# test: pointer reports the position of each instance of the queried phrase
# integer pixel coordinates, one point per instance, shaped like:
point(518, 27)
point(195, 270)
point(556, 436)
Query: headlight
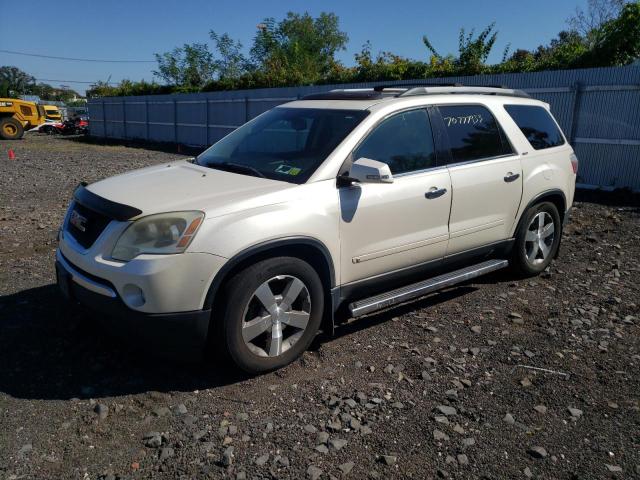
point(158, 234)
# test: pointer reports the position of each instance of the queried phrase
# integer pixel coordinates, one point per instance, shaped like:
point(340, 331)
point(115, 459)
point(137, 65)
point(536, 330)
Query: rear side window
point(473, 133)
point(537, 125)
point(403, 141)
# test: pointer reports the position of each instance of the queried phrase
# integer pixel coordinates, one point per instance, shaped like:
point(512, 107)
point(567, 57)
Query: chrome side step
point(368, 305)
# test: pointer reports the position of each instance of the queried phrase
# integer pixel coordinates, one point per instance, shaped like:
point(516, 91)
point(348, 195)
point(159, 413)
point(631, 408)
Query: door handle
point(435, 192)
point(510, 177)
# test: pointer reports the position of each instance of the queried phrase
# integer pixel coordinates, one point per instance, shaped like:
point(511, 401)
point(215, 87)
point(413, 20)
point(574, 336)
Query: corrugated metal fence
point(599, 110)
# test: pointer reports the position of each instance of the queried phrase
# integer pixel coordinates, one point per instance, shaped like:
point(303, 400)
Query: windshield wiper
point(238, 168)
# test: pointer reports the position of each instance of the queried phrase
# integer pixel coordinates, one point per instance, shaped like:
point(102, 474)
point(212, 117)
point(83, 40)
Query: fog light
point(133, 295)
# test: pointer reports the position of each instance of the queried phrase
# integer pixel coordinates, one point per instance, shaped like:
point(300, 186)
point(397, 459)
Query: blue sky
point(118, 29)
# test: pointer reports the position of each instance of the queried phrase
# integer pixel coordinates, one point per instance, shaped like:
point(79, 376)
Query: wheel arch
point(555, 196)
point(309, 249)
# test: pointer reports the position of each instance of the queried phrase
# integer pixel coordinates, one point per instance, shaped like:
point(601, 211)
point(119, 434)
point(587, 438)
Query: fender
point(269, 245)
point(536, 199)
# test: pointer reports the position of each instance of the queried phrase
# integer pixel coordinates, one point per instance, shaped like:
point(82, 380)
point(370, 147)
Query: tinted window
point(283, 144)
point(473, 133)
point(537, 125)
point(403, 141)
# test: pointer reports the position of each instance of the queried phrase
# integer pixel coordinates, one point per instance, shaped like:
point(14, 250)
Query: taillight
point(574, 163)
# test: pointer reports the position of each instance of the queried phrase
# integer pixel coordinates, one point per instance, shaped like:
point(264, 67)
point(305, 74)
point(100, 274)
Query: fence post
point(246, 109)
point(104, 121)
point(146, 118)
point(124, 118)
point(577, 96)
point(175, 121)
point(206, 122)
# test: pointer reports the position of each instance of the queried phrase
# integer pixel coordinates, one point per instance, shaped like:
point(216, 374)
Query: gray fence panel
point(597, 108)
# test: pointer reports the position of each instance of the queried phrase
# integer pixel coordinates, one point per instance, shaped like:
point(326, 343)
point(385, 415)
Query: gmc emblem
point(78, 221)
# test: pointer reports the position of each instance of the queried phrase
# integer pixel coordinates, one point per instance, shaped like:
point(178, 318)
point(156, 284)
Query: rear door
point(388, 227)
point(486, 177)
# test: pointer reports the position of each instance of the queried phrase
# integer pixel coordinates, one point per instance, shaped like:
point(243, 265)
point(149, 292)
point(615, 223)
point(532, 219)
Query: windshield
point(286, 144)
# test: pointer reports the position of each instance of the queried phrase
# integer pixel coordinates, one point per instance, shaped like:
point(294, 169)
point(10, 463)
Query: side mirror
point(365, 170)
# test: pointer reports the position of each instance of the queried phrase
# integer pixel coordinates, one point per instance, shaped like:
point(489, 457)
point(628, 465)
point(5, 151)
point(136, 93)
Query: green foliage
point(14, 82)
point(301, 50)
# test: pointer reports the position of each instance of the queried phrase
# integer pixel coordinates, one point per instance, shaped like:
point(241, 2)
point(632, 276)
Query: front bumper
point(180, 335)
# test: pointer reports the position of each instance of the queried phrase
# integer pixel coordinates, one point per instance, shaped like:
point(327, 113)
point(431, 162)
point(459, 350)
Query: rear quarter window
point(537, 125)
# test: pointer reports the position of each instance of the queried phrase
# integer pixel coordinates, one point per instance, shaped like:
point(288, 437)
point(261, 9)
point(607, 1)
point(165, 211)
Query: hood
point(181, 185)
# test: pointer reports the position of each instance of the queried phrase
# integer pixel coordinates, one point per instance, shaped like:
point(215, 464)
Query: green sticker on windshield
point(288, 170)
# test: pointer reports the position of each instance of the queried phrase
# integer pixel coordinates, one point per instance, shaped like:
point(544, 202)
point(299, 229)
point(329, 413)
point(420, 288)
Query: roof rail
point(506, 92)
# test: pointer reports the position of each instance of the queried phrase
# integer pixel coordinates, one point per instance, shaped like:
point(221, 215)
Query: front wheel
point(537, 240)
point(273, 312)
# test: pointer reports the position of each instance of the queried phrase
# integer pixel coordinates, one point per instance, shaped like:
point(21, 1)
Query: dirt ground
point(500, 378)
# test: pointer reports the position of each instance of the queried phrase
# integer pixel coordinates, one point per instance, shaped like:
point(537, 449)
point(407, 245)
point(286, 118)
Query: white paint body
point(368, 229)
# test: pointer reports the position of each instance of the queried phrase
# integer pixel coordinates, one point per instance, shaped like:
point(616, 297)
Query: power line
point(76, 59)
point(72, 81)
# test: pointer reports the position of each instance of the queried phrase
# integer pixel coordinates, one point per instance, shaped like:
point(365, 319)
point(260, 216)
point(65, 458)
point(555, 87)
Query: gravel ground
point(501, 378)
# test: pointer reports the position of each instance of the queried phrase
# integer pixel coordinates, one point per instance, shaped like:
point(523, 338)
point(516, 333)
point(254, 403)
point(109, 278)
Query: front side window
point(286, 144)
point(403, 141)
point(537, 125)
point(473, 133)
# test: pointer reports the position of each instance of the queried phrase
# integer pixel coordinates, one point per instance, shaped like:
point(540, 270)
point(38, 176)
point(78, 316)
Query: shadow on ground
point(50, 350)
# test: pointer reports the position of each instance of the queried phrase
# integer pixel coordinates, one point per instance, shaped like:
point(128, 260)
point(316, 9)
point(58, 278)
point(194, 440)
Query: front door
point(387, 227)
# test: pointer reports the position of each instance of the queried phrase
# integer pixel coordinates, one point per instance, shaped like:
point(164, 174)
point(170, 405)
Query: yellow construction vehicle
point(16, 116)
point(52, 113)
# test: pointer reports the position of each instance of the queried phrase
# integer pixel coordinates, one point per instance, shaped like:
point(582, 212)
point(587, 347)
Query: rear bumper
point(180, 335)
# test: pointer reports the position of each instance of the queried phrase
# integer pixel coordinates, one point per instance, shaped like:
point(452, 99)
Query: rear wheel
point(11, 129)
point(273, 312)
point(537, 240)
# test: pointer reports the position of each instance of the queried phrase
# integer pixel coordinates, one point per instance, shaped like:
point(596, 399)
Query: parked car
point(332, 206)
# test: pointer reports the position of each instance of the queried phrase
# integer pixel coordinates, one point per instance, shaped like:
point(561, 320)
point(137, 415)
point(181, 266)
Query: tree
point(598, 12)
point(617, 41)
point(189, 67)
point(298, 50)
point(14, 82)
point(231, 64)
point(472, 51)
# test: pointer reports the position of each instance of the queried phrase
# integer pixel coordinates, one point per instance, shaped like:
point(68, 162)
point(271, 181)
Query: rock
point(526, 382)
point(514, 315)
point(262, 459)
point(527, 472)
point(346, 468)
point(152, 439)
point(166, 453)
point(322, 448)
point(398, 405)
point(446, 410)
point(463, 459)
point(242, 416)
point(540, 409)
point(102, 410)
point(440, 435)
point(161, 411)
point(310, 429)
point(181, 409)
point(575, 412)
point(25, 449)
point(537, 452)
point(613, 468)
point(389, 459)
point(477, 329)
point(314, 472)
point(337, 443)
point(508, 418)
point(323, 437)
point(468, 442)
point(228, 457)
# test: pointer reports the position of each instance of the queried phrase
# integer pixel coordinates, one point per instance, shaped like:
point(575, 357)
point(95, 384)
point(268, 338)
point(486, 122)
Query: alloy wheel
point(276, 316)
point(539, 238)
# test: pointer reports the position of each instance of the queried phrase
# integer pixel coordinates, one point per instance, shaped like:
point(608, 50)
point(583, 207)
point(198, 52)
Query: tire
point(249, 333)
point(11, 129)
point(536, 245)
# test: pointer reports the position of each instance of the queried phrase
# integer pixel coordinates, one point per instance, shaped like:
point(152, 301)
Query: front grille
point(93, 222)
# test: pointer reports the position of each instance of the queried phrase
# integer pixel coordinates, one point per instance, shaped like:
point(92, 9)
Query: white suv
point(328, 207)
